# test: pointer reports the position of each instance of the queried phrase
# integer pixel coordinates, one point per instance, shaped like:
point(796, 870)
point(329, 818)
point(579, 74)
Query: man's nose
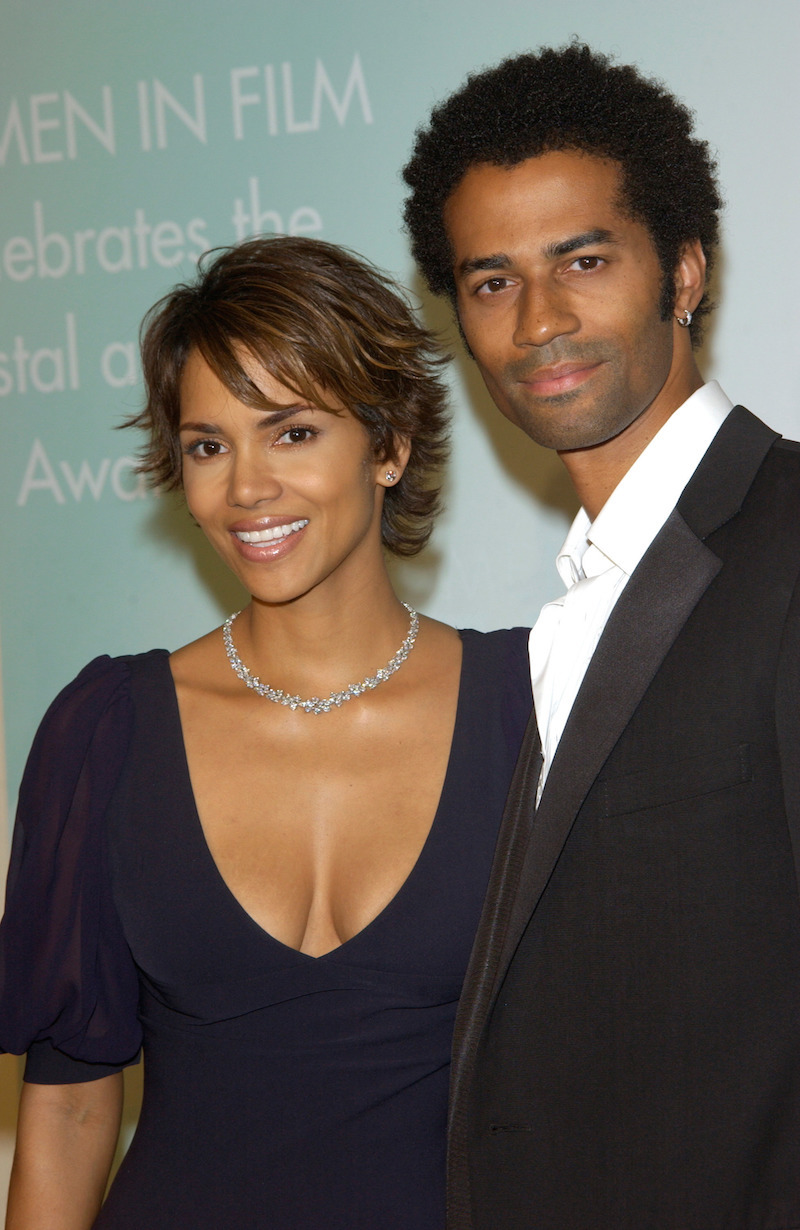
point(543, 313)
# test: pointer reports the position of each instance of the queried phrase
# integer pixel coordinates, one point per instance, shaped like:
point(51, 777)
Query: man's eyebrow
point(586, 240)
point(501, 260)
point(479, 263)
point(271, 419)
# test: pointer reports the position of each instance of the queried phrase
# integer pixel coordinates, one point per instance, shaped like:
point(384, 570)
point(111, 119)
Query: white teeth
point(270, 534)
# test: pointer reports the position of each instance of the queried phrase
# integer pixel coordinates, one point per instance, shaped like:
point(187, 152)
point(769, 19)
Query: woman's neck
point(322, 641)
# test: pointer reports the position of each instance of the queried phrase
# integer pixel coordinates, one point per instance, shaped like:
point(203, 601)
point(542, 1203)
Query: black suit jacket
point(627, 1051)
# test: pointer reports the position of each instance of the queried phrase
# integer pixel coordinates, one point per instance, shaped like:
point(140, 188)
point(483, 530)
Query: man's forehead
point(558, 177)
point(554, 202)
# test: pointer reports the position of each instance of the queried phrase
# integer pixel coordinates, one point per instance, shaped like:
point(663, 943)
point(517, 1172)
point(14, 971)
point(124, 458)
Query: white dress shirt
point(598, 558)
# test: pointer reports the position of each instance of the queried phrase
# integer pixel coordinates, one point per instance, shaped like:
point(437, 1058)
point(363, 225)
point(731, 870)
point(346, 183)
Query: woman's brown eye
point(297, 435)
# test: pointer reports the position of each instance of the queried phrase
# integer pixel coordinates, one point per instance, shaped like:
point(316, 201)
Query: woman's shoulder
point(96, 688)
point(105, 672)
point(94, 710)
point(499, 636)
point(496, 694)
point(508, 642)
point(497, 661)
point(486, 657)
point(512, 640)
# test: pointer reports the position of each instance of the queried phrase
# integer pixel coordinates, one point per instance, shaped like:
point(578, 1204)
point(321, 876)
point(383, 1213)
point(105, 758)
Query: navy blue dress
point(281, 1090)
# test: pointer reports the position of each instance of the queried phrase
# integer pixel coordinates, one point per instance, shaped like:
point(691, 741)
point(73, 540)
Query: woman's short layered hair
point(324, 323)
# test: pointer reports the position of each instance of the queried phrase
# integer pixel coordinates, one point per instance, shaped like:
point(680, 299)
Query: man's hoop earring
point(685, 320)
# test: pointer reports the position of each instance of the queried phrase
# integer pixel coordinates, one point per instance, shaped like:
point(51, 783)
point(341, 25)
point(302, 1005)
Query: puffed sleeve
point(68, 984)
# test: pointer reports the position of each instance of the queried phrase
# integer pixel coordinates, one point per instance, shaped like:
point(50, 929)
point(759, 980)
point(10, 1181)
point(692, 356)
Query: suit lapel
point(650, 613)
point(653, 608)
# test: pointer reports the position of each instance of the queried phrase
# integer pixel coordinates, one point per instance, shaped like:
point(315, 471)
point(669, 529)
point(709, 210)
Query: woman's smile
point(270, 533)
point(268, 541)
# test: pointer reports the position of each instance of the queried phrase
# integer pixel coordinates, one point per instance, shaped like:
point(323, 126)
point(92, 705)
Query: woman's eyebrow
point(269, 419)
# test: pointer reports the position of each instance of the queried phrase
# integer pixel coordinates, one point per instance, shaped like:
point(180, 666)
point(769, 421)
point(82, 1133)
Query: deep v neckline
point(405, 888)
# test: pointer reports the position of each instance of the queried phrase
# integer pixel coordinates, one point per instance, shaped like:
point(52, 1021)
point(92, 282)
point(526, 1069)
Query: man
point(627, 1054)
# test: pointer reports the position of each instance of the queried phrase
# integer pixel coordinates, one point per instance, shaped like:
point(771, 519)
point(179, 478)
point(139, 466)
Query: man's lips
point(560, 378)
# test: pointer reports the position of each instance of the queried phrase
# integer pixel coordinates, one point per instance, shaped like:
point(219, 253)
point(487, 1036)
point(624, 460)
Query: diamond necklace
point(316, 704)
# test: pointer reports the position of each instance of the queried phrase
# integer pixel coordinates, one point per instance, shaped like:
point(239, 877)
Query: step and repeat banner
point(135, 135)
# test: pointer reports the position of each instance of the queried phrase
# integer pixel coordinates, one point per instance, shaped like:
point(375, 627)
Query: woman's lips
point(257, 541)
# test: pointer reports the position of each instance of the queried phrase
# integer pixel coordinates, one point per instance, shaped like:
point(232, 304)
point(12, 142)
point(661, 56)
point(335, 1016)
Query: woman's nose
point(252, 479)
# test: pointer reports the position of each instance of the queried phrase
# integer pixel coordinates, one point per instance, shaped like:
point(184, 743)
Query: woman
point(274, 884)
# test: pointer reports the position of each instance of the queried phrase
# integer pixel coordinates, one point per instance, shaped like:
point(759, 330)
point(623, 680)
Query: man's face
point(558, 298)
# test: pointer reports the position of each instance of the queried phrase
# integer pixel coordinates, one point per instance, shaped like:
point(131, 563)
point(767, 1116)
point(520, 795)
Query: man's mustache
point(585, 355)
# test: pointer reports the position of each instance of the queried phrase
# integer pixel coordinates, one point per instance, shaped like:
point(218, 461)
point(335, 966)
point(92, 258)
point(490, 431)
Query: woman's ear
point(390, 471)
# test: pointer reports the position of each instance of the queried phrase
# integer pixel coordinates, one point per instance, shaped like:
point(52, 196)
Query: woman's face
point(289, 497)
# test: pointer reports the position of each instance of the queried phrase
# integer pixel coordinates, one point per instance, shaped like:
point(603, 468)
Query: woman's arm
point(66, 1139)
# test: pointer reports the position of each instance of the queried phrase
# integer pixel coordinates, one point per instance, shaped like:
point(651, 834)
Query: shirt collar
point(646, 495)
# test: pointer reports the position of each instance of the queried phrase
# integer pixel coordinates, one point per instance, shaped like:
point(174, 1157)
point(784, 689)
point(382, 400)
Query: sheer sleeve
point(68, 984)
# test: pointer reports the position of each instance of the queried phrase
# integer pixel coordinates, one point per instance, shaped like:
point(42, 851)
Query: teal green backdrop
point(134, 135)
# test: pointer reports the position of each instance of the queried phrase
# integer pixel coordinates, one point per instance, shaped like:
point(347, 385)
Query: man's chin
point(549, 428)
